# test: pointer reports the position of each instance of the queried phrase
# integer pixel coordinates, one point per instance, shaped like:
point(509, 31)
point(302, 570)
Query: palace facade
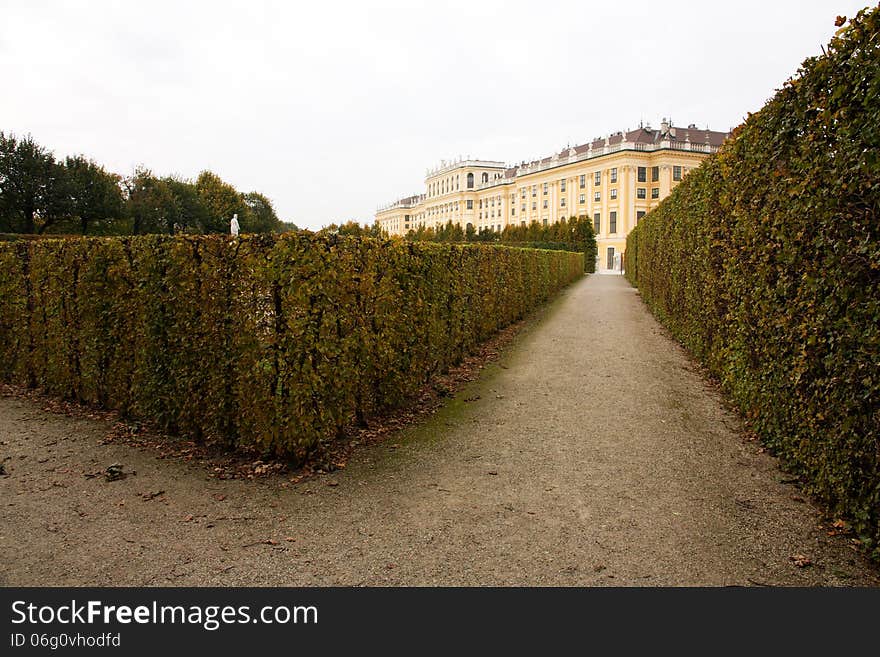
point(614, 180)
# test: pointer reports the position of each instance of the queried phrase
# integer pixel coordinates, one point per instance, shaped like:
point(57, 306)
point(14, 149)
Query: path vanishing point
point(591, 453)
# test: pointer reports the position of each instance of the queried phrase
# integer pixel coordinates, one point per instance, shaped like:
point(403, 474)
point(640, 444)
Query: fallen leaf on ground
point(267, 541)
point(840, 524)
point(801, 560)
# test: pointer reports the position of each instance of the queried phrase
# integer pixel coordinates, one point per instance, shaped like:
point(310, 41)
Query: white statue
point(233, 226)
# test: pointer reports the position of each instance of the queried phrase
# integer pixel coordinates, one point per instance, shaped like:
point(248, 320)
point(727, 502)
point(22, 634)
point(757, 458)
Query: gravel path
point(591, 453)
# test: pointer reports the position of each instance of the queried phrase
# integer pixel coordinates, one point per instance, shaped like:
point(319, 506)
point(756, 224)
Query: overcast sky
point(332, 108)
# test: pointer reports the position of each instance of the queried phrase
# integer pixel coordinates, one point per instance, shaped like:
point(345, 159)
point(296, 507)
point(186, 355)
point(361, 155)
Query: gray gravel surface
point(591, 453)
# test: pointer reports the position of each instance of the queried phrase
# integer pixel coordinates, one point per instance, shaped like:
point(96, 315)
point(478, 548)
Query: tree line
point(573, 230)
point(41, 194)
point(572, 234)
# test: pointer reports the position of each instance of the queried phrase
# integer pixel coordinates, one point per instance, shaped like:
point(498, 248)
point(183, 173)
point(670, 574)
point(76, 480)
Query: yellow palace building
point(614, 180)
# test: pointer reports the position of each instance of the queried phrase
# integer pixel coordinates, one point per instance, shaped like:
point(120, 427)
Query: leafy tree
point(31, 198)
point(186, 212)
point(535, 232)
point(261, 217)
point(487, 235)
point(287, 227)
point(221, 201)
point(151, 202)
point(353, 229)
point(93, 196)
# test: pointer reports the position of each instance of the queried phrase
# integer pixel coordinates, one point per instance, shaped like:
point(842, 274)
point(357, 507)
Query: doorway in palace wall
point(609, 259)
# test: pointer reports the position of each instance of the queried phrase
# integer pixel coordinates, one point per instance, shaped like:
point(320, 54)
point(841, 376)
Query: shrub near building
point(270, 341)
point(765, 263)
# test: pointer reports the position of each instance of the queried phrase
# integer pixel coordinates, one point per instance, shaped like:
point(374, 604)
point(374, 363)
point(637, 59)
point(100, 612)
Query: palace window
point(655, 174)
point(583, 180)
point(545, 189)
point(562, 185)
point(597, 196)
point(582, 199)
point(523, 190)
point(655, 192)
point(523, 208)
point(612, 222)
point(534, 190)
point(641, 192)
point(562, 202)
point(639, 215)
point(485, 177)
point(545, 204)
point(534, 206)
point(597, 223)
point(642, 174)
point(614, 175)
point(470, 204)
point(613, 194)
point(470, 181)
point(597, 178)
point(676, 173)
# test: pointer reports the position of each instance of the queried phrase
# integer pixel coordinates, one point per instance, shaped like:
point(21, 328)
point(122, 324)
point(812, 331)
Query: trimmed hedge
point(765, 263)
point(588, 248)
point(276, 342)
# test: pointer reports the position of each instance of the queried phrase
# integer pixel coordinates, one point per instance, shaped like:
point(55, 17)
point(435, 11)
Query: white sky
point(333, 108)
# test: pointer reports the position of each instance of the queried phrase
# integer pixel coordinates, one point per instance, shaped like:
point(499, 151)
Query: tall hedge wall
point(765, 263)
point(272, 341)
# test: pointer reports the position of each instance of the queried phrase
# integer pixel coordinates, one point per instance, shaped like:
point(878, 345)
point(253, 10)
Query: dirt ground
point(591, 453)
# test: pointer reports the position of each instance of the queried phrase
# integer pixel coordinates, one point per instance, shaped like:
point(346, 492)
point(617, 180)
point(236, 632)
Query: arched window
point(485, 177)
point(470, 181)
